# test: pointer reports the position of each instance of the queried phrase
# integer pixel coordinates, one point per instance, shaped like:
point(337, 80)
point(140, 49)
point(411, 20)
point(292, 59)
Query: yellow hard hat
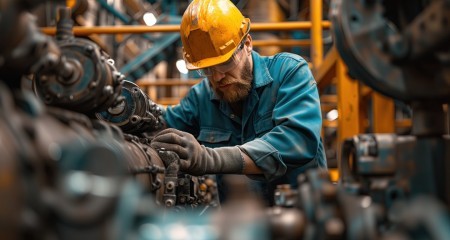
point(211, 30)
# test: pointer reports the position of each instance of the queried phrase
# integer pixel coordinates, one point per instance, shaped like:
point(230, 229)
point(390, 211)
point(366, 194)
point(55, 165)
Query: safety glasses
point(227, 66)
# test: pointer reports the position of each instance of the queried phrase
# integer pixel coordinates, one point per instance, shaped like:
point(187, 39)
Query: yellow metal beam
point(70, 3)
point(349, 120)
point(281, 43)
point(328, 103)
point(327, 71)
point(365, 91)
point(316, 33)
point(383, 120)
point(349, 107)
point(278, 26)
point(329, 98)
point(331, 124)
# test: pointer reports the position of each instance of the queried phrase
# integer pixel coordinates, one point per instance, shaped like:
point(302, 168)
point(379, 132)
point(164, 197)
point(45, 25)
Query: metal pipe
point(167, 83)
point(84, 31)
point(281, 43)
point(316, 33)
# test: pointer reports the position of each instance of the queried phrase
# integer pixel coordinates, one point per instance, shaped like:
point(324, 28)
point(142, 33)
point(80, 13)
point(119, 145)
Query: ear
point(249, 43)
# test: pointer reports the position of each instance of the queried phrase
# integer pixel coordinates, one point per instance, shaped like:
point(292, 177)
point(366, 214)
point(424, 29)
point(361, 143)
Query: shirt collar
point(261, 75)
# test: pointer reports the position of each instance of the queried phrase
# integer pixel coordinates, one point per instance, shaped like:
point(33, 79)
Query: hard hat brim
point(209, 62)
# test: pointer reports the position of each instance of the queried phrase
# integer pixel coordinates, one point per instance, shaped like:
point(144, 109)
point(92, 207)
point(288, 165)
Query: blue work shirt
point(280, 124)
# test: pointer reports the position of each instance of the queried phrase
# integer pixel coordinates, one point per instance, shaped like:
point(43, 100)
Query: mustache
point(229, 80)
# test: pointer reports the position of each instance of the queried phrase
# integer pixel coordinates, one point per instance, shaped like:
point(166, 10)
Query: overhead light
point(149, 18)
point(332, 115)
point(181, 66)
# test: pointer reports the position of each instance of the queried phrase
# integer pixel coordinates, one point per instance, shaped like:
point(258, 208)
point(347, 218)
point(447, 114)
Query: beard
point(240, 87)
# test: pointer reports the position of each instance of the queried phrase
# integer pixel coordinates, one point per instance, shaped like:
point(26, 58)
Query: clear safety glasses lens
point(227, 66)
point(205, 72)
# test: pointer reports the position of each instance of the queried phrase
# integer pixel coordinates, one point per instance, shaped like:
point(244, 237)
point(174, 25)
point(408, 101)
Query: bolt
point(157, 183)
point(181, 182)
point(170, 185)
point(92, 84)
point(135, 119)
point(108, 90)
point(169, 202)
point(89, 48)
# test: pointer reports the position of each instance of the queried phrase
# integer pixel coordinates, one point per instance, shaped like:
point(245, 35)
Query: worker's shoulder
point(285, 62)
point(287, 56)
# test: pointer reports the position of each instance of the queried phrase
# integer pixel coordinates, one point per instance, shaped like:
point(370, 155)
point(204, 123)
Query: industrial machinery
point(77, 163)
point(403, 64)
point(400, 49)
point(391, 186)
point(65, 172)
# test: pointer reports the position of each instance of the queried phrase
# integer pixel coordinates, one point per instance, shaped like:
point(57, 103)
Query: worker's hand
point(197, 159)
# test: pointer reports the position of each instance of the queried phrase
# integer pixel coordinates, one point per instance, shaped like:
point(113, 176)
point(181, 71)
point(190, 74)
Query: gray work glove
point(196, 159)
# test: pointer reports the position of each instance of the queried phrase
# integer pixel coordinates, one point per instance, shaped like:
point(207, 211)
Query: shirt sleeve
point(183, 115)
point(294, 142)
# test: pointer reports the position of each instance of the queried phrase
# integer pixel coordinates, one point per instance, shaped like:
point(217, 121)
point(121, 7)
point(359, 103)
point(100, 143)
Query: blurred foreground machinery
point(65, 174)
point(401, 50)
point(391, 186)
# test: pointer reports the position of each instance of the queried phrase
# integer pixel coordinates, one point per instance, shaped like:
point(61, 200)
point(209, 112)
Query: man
point(252, 115)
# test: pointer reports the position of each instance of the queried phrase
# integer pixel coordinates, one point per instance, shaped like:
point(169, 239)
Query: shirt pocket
point(214, 137)
point(263, 124)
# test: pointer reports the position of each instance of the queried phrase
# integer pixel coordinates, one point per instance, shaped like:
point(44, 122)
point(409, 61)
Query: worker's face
point(235, 84)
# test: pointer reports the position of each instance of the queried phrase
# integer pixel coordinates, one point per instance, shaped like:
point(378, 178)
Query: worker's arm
point(197, 159)
point(250, 166)
point(289, 134)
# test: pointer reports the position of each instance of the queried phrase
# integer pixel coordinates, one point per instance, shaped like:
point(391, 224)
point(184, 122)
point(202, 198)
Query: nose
point(217, 76)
